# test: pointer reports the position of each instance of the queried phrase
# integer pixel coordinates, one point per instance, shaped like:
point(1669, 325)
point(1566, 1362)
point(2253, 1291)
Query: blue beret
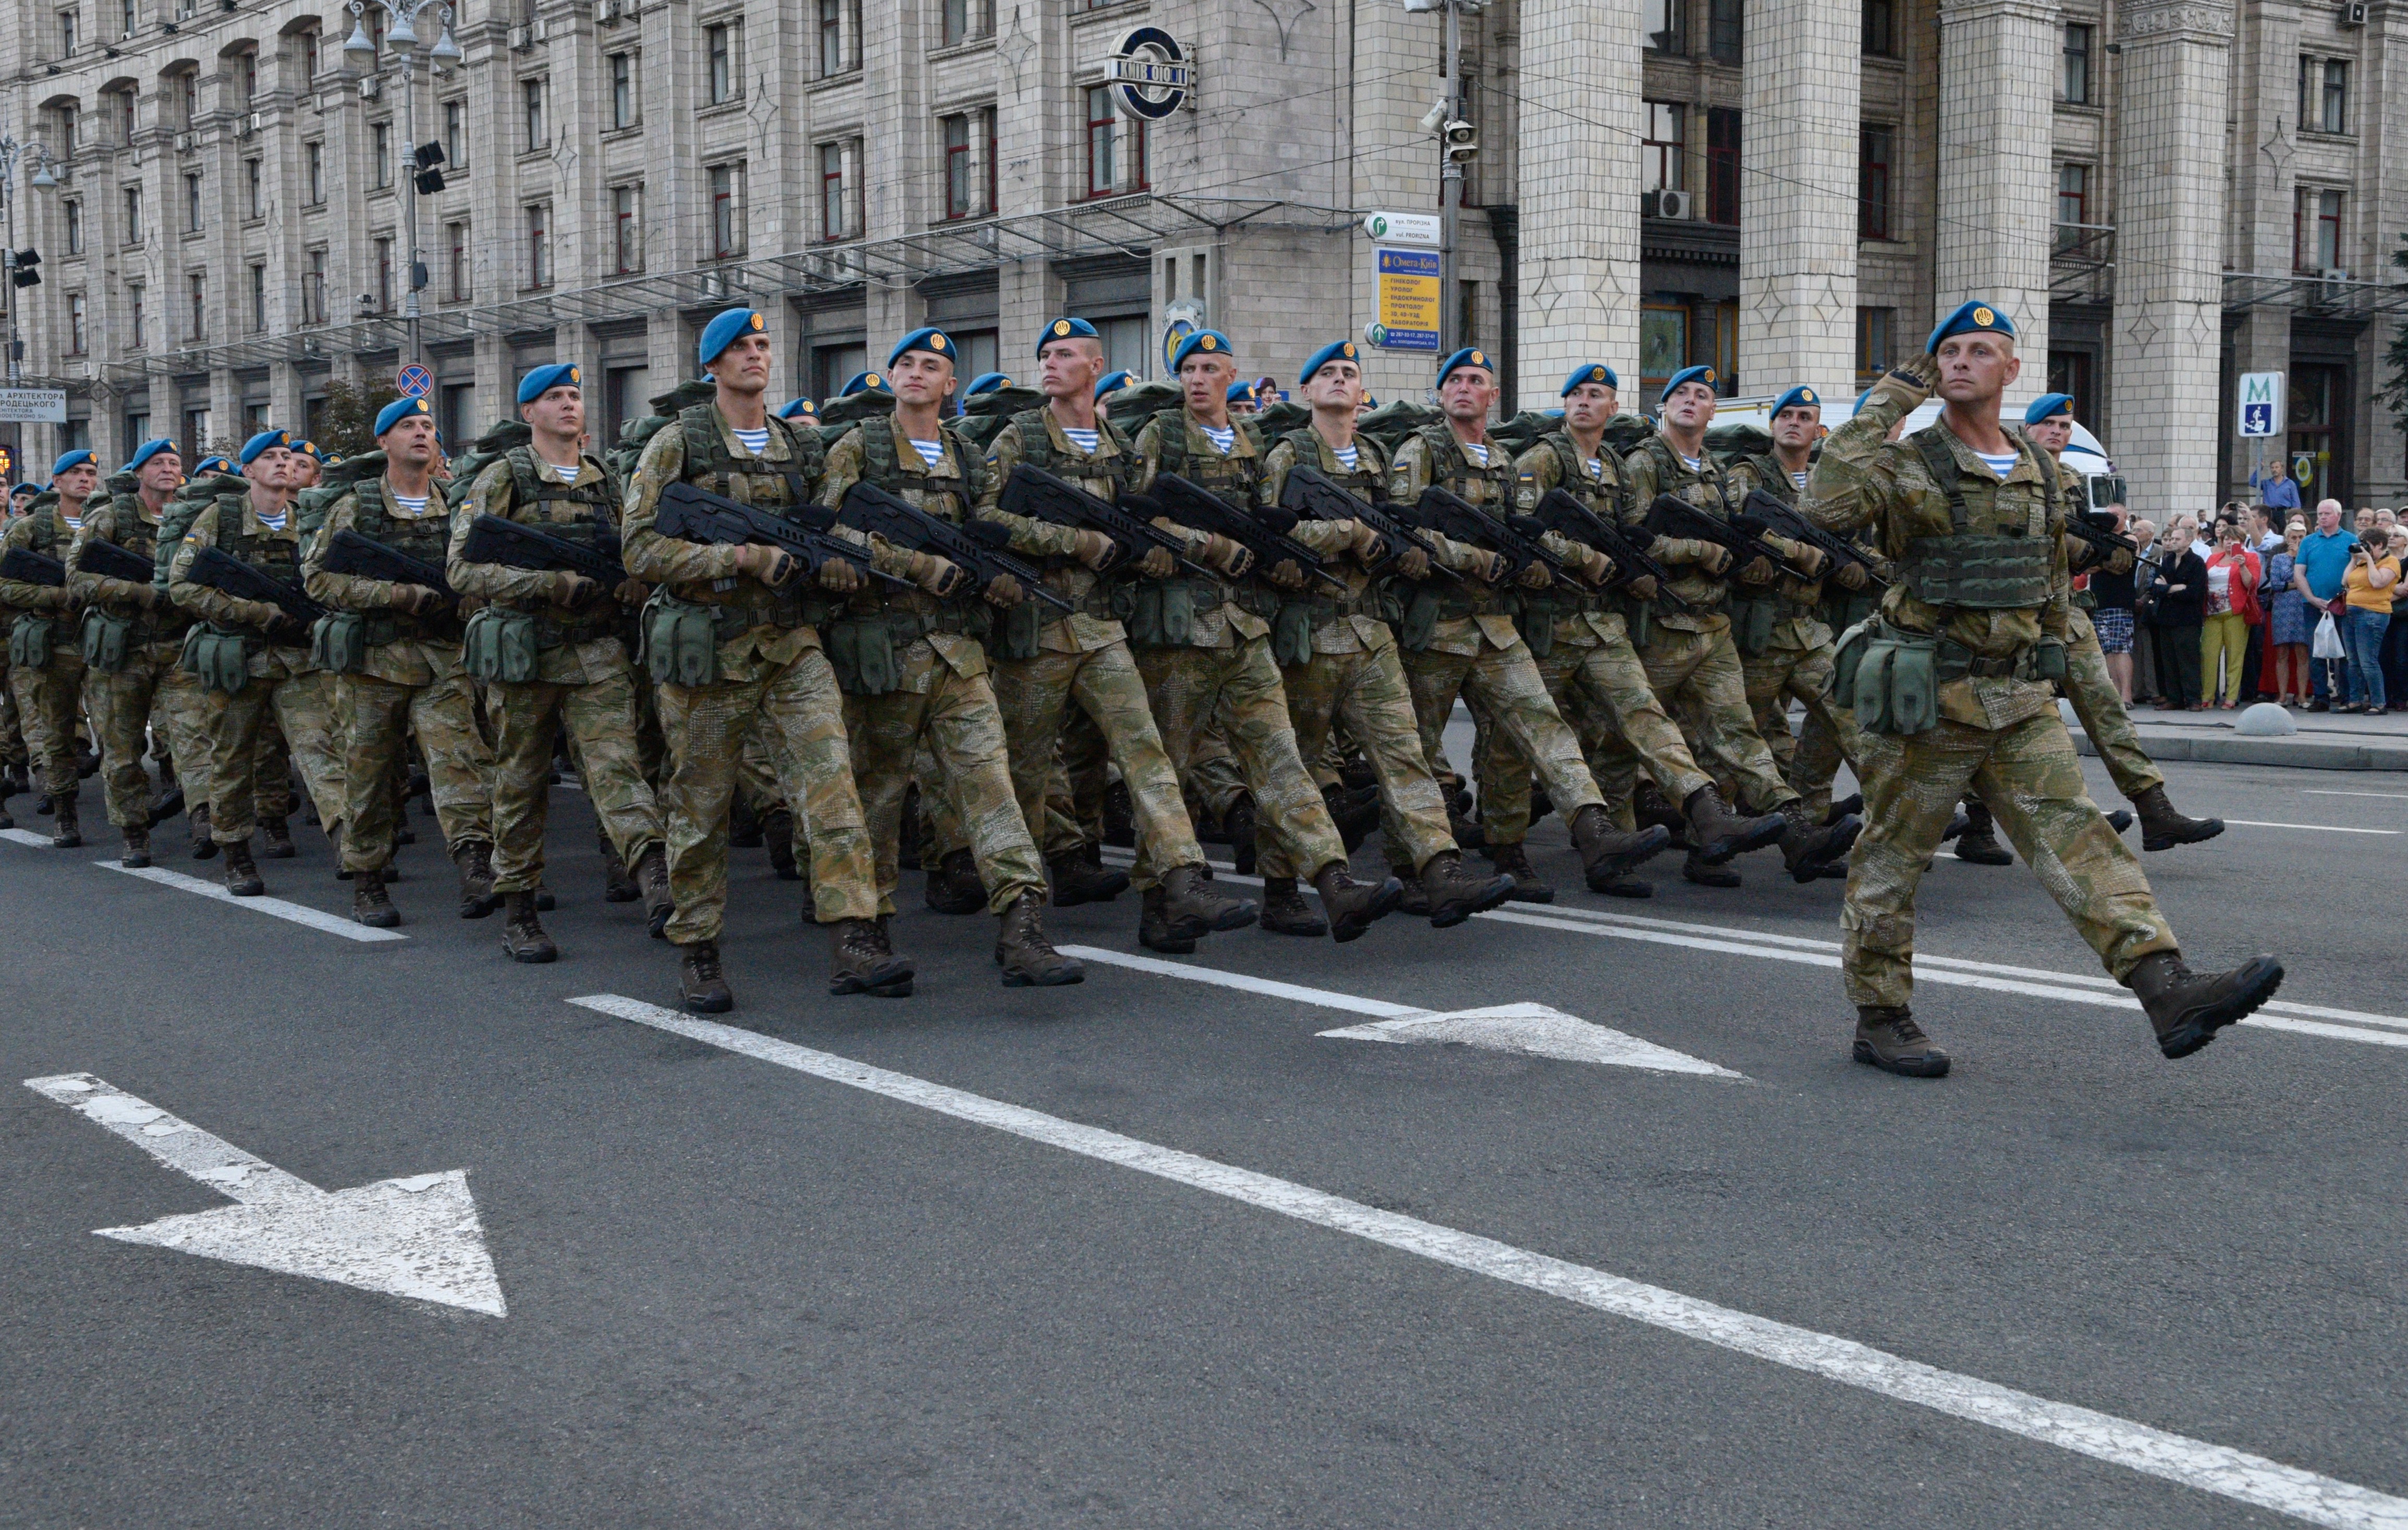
point(1467, 357)
point(2048, 404)
point(1690, 374)
point(1241, 393)
point(267, 440)
point(720, 332)
point(544, 378)
point(76, 459)
point(1798, 397)
point(985, 383)
point(1334, 351)
point(1065, 329)
point(148, 449)
point(1111, 382)
point(931, 340)
point(1208, 342)
point(795, 407)
point(864, 382)
point(1592, 373)
point(1369, 402)
point(1972, 317)
point(311, 447)
point(212, 464)
point(391, 416)
point(24, 488)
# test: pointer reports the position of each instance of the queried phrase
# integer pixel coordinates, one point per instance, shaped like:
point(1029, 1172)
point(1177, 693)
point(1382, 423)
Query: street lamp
point(359, 54)
point(42, 178)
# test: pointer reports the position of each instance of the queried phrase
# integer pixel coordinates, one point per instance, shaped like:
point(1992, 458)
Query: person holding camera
point(2368, 585)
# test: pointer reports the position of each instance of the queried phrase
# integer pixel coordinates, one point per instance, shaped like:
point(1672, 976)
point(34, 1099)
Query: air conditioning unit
point(522, 38)
point(184, 142)
point(370, 88)
point(250, 123)
point(605, 12)
point(2354, 14)
point(1664, 204)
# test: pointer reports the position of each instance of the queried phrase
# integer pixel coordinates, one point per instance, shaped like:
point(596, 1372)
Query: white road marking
point(2378, 796)
point(316, 919)
point(2320, 827)
point(415, 1237)
point(26, 836)
point(2211, 1468)
point(1531, 1030)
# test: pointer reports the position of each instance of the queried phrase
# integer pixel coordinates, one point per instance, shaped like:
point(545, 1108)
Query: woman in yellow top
point(2368, 585)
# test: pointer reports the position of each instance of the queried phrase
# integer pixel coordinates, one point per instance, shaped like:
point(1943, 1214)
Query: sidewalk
point(2325, 741)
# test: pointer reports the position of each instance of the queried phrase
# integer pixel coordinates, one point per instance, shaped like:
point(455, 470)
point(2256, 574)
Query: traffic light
point(423, 160)
point(21, 269)
point(1462, 141)
point(8, 466)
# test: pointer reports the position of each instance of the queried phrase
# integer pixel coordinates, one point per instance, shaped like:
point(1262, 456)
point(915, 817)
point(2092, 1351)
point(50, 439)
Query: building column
point(1581, 124)
point(2170, 245)
point(1798, 247)
point(1999, 63)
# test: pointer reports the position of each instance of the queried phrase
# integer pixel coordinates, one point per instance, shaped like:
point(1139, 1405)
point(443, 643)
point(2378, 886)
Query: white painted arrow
point(417, 1237)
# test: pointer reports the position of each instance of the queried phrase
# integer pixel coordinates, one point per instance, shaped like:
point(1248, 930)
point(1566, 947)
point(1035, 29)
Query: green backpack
point(1391, 423)
point(984, 417)
point(310, 507)
point(483, 452)
point(186, 508)
point(1132, 406)
point(666, 407)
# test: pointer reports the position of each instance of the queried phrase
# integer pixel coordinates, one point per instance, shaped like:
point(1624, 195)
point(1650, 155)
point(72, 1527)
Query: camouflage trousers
point(1773, 677)
point(1072, 821)
point(1239, 689)
point(2032, 779)
point(1698, 678)
point(1035, 696)
point(152, 691)
point(1213, 780)
point(12, 733)
point(600, 718)
point(1503, 689)
point(49, 705)
point(800, 715)
point(2103, 716)
point(955, 719)
point(302, 710)
point(1602, 690)
point(381, 717)
point(1366, 690)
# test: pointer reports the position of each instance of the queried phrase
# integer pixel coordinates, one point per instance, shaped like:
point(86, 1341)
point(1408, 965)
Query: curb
point(2296, 752)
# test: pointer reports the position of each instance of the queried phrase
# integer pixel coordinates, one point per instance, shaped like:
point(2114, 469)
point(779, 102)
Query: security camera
point(1433, 117)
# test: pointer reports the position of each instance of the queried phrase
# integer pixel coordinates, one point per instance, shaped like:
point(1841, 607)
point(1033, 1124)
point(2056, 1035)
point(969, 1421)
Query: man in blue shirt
point(2318, 572)
point(2275, 489)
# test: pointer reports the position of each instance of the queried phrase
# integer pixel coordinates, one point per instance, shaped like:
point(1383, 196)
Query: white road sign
point(33, 406)
point(2261, 404)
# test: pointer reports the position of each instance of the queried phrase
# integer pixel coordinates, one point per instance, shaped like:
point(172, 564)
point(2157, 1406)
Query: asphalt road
point(740, 1295)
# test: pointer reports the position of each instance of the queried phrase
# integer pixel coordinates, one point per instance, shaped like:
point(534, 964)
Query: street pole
point(1450, 193)
point(409, 212)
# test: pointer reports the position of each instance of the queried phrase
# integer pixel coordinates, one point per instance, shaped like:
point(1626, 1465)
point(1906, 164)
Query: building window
point(539, 245)
point(727, 210)
point(193, 204)
point(246, 75)
point(627, 228)
point(455, 136)
point(722, 47)
point(67, 32)
point(2078, 40)
point(254, 189)
point(258, 298)
point(836, 37)
point(129, 16)
point(626, 107)
point(1115, 149)
point(126, 100)
point(196, 300)
point(137, 330)
point(1876, 151)
point(1660, 166)
point(1726, 31)
point(835, 193)
point(133, 215)
point(2316, 230)
point(307, 43)
point(381, 154)
point(966, 20)
point(313, 173)
point(381, 255)
point(2333, 103)
point(1878, 26)
point(961, 174)
point(1875, 328)
point(77, 338)
point(1721, 166)
point(531, 105)
point(188, 95)
point(2073, 204)
point(458, 266)
point(73, 211)
point(1666, 25)
point(314, 289)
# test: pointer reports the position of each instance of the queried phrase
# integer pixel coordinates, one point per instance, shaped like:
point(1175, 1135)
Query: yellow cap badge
point(572, 374)
point(1207, 343)
point(936, 342)
point(1348, 350)
point(869, 380)
point(1061, 327)
point(1984, 317)
point(756, 322)
point(1479, 360)
point(1709, 374)
point(1807, 394)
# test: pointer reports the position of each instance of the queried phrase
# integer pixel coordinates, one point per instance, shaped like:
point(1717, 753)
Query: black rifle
point(1764, 512)
point(1458, 519)
point(691, 514)
point(1200, 510)
point(514, 544)
point(977, 548)
point(1316, 496)
point(225, 573)
point(1673, 516)
point(1562, 514)
point(1039, 495)
point(2098, 528)
point(27, 567)
point(365, 557)
point(105, 559)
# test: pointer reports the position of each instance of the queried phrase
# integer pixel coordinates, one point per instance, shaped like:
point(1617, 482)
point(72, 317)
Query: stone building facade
point(2164, 193)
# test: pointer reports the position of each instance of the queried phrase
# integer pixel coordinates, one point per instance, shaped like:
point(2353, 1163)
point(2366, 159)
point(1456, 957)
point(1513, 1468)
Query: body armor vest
point(272, 555)
point(428, 538)
point(1369, 481)
point(2009, 570)
point(1492, 489)
point(586, 514)
point(1231, 479)
point(912, 613)
point(709, 464)
point(1037, 450)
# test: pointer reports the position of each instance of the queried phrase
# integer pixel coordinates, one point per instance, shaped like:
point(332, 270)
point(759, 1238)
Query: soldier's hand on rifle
point(2119, 560)
point(939, 576)
point(574, 589)
point(264, 614)
point(1807, 556)
point(1852, 576)
point(1756, 571)
point(418, 599)
point(1714, 554)
point(1004, 592)
point(1095, 549)
point(768, 564)
point(1594, 566)
point(1286, 573)
point(1158, 563)
point(1485, 566)
point(632, 592)
point(1366, 542)
point(1644, 588)
point(1535, 576)
point(836, 576)
point(1413, 563)
point(1231, 558)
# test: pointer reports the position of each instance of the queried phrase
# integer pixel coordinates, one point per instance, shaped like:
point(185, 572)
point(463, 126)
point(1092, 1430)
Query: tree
point(346, 420)
point(2395, 356)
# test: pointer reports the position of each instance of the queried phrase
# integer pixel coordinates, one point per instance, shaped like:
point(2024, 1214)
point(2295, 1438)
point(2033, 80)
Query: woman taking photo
point(2231, 612)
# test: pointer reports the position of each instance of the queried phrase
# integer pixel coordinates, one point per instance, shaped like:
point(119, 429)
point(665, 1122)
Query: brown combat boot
point(522, 935)
point(778, 833)
point(137, 848)
point(1889, 1039)
point(478, 897)
point(1720, 833)
point(1449, 895)
point(204, 847)
point(1606, 854)
point(66, 831)
point(1027, 959)
point(701, 988)
point(1286, 913)
point(369, 904)
point(618, 883)
point(1706, 873)
point(1353, 907)
point(2188, 1008)
point(1241, 823)
point(1080, 877)
point(652, 877)
point(241, 877)
point(2162, 828)
point(1807, 847)
point(954, 887)
point(865, 962)
point(1979, 843)
point(1514, 861)
point(276, 839)
point(1193, 907)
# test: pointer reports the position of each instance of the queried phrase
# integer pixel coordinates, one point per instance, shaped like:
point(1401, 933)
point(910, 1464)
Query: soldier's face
point(1468, 393)
point(1977, 368)
point(1338, 384)
point(558, 410)
point(1590, 405)
point(744, 366)
point(1069, 368)
point(410, 442)
point(270, 469)
point(305, 472)
point(1204, 381)
point(1690, 406)
point(2052, 433)
point(1799, 425)
point(78, 481)
point(921, 377)
point(163, 473)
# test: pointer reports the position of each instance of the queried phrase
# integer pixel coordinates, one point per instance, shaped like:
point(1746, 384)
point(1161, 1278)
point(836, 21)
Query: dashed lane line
point(2218, 1469)
point(275, 908)
point(2320, 827)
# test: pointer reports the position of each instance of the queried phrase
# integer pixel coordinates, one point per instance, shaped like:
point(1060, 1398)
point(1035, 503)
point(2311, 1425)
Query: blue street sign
point(2257, 420)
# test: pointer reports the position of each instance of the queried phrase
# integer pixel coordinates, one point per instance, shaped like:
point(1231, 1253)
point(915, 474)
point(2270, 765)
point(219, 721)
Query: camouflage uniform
point(410, 681)
point(1991, 556)
point(930, 689)
point(2105, 720)
point(1204, 648)
point(1338, 663)
point(1584, 652)
point(583, 680)
point(49, 695)
point(153, 688)
point(1462, 641)
point(284, 680)
point(1786, 649)
point(1042, 667)
point(770, 671)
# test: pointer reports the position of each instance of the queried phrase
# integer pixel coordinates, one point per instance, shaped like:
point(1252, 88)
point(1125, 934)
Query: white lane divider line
point(316, 919)
point(2378, 796)
point(417, 1236)
point(1532, 1029)
point(2102, 1437)
point(26, 836)
point(2320, 827)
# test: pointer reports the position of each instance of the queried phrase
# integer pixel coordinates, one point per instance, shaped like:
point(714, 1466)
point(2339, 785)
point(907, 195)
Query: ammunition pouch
point(863, 651)
point(1751, 623)
point(1162, 614)
point(30, 640)
point(220, 660)
point(1893, 678)
point(107, 640)
point(339, 642)
point(1023, 625)
point(503, 644)
point(1979, 572)
point(1292, 631)
point(680, 641)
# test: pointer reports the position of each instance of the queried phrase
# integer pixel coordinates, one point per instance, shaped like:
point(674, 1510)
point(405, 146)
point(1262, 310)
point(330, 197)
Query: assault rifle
point(27, 567)
point(1764, 512)
point(514, 544)
point(1562, 514)
point(1263, 535)
point(691, 514)
point(1316, 496)
point(1673, 516)
point(1453, 516)
point(225, 573)
point(105, 559)
point(977, 548)
point(2098, 528)
point(1039, 495)
point(365, 557)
